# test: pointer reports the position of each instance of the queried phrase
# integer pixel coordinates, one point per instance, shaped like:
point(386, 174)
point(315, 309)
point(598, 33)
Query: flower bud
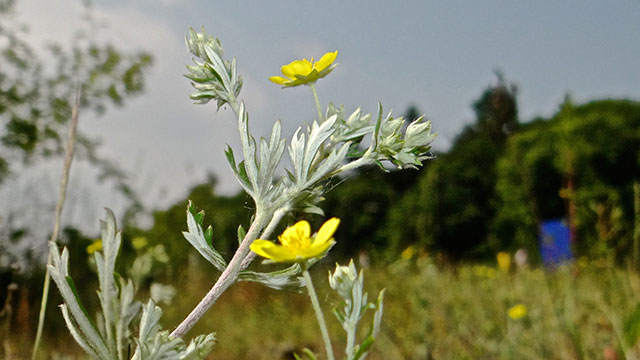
point(343, 279)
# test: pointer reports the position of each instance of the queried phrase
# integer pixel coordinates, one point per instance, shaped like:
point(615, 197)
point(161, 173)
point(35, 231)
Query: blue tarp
point(555, 242)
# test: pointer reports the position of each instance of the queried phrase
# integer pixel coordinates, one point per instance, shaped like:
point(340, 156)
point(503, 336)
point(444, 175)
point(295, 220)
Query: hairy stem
point(275, 220)
point(318, 310)
point(62, 194)
point(351, 341)
point(364, 160)
point(228, 277)
point(315, 97)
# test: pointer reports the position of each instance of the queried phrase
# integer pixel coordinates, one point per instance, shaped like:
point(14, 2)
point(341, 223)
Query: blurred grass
point(431, 312)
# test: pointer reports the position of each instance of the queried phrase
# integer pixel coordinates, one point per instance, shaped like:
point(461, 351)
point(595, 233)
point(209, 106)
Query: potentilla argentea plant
point(332, 144)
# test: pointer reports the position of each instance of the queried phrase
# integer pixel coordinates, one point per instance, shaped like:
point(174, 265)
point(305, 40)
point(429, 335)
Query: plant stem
point(315, 97)
point(364, 160)
point(318, 311)
point(228, 277)
point(636, 226)
point(275, 220)
point(351, 341)
point(62, 194)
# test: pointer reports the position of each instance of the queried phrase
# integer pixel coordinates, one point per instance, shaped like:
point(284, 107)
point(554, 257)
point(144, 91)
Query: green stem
point(43, 308)
point(318, 311)
point(315, 97)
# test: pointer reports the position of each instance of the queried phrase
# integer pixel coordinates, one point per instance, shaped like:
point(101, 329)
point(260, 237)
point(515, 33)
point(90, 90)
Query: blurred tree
point(37, 91)
point(360, 202)
point(584, 156)
point(37, 88)
point(452, 206)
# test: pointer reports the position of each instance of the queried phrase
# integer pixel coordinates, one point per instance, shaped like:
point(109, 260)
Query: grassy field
point(459, 312)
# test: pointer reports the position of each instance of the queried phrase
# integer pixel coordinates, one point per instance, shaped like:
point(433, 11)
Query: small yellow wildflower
point(517, 312)
point(297, 244)
point(139, 242)
point(303, 72)
point(407, 253)
point(504, 261)
point(96, 245)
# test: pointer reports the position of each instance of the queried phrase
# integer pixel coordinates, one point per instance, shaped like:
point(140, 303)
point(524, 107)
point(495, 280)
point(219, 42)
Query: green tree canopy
point(596, 148)
point(452, 206)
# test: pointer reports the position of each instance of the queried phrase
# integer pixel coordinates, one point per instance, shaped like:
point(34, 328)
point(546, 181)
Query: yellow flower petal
point(326, 60)
point(317, 249)
point(305, 72)
point(297, 67)
point(269, 250)
point(327, 230)
point(96, 245)
point(295, 234)
point(278, 80)
point(296, 242)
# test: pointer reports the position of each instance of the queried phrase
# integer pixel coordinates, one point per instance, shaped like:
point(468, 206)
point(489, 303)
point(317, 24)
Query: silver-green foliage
point(317, 152)
point(111, 336)
point(331, 145)
point(346, 281)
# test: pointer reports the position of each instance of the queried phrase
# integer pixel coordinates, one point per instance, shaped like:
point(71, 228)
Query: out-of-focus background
point(521, 239)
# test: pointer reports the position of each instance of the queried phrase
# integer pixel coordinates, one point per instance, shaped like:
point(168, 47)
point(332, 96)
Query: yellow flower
point(303, 72)
point(517, 312)
point(139, 242)
point(407, 253)
point(504, 261)
point(297, 244)
point(96, 245)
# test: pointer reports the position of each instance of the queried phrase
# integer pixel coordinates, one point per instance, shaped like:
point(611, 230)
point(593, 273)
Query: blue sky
point(436, 55)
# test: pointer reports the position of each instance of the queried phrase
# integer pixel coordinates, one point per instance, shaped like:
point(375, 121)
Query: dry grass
point(454, 313)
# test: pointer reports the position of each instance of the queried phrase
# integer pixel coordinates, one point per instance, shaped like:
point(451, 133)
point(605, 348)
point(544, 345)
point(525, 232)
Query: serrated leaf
point(248, 150)
point(111, 240)
point(296, 153)
point(74, 290)
point(208, 236)
point(377, 316)
point(156, 344)
point(241, 234)
point(362, 349)
point(196, 237)
point(218, 66)
point(77, 316)
point(244, 179)
point(199, 216)
point(77, 335)
point(318, 134)
point(285, 279)
point(374, 144)
point(328, 165)
point(230, 158)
